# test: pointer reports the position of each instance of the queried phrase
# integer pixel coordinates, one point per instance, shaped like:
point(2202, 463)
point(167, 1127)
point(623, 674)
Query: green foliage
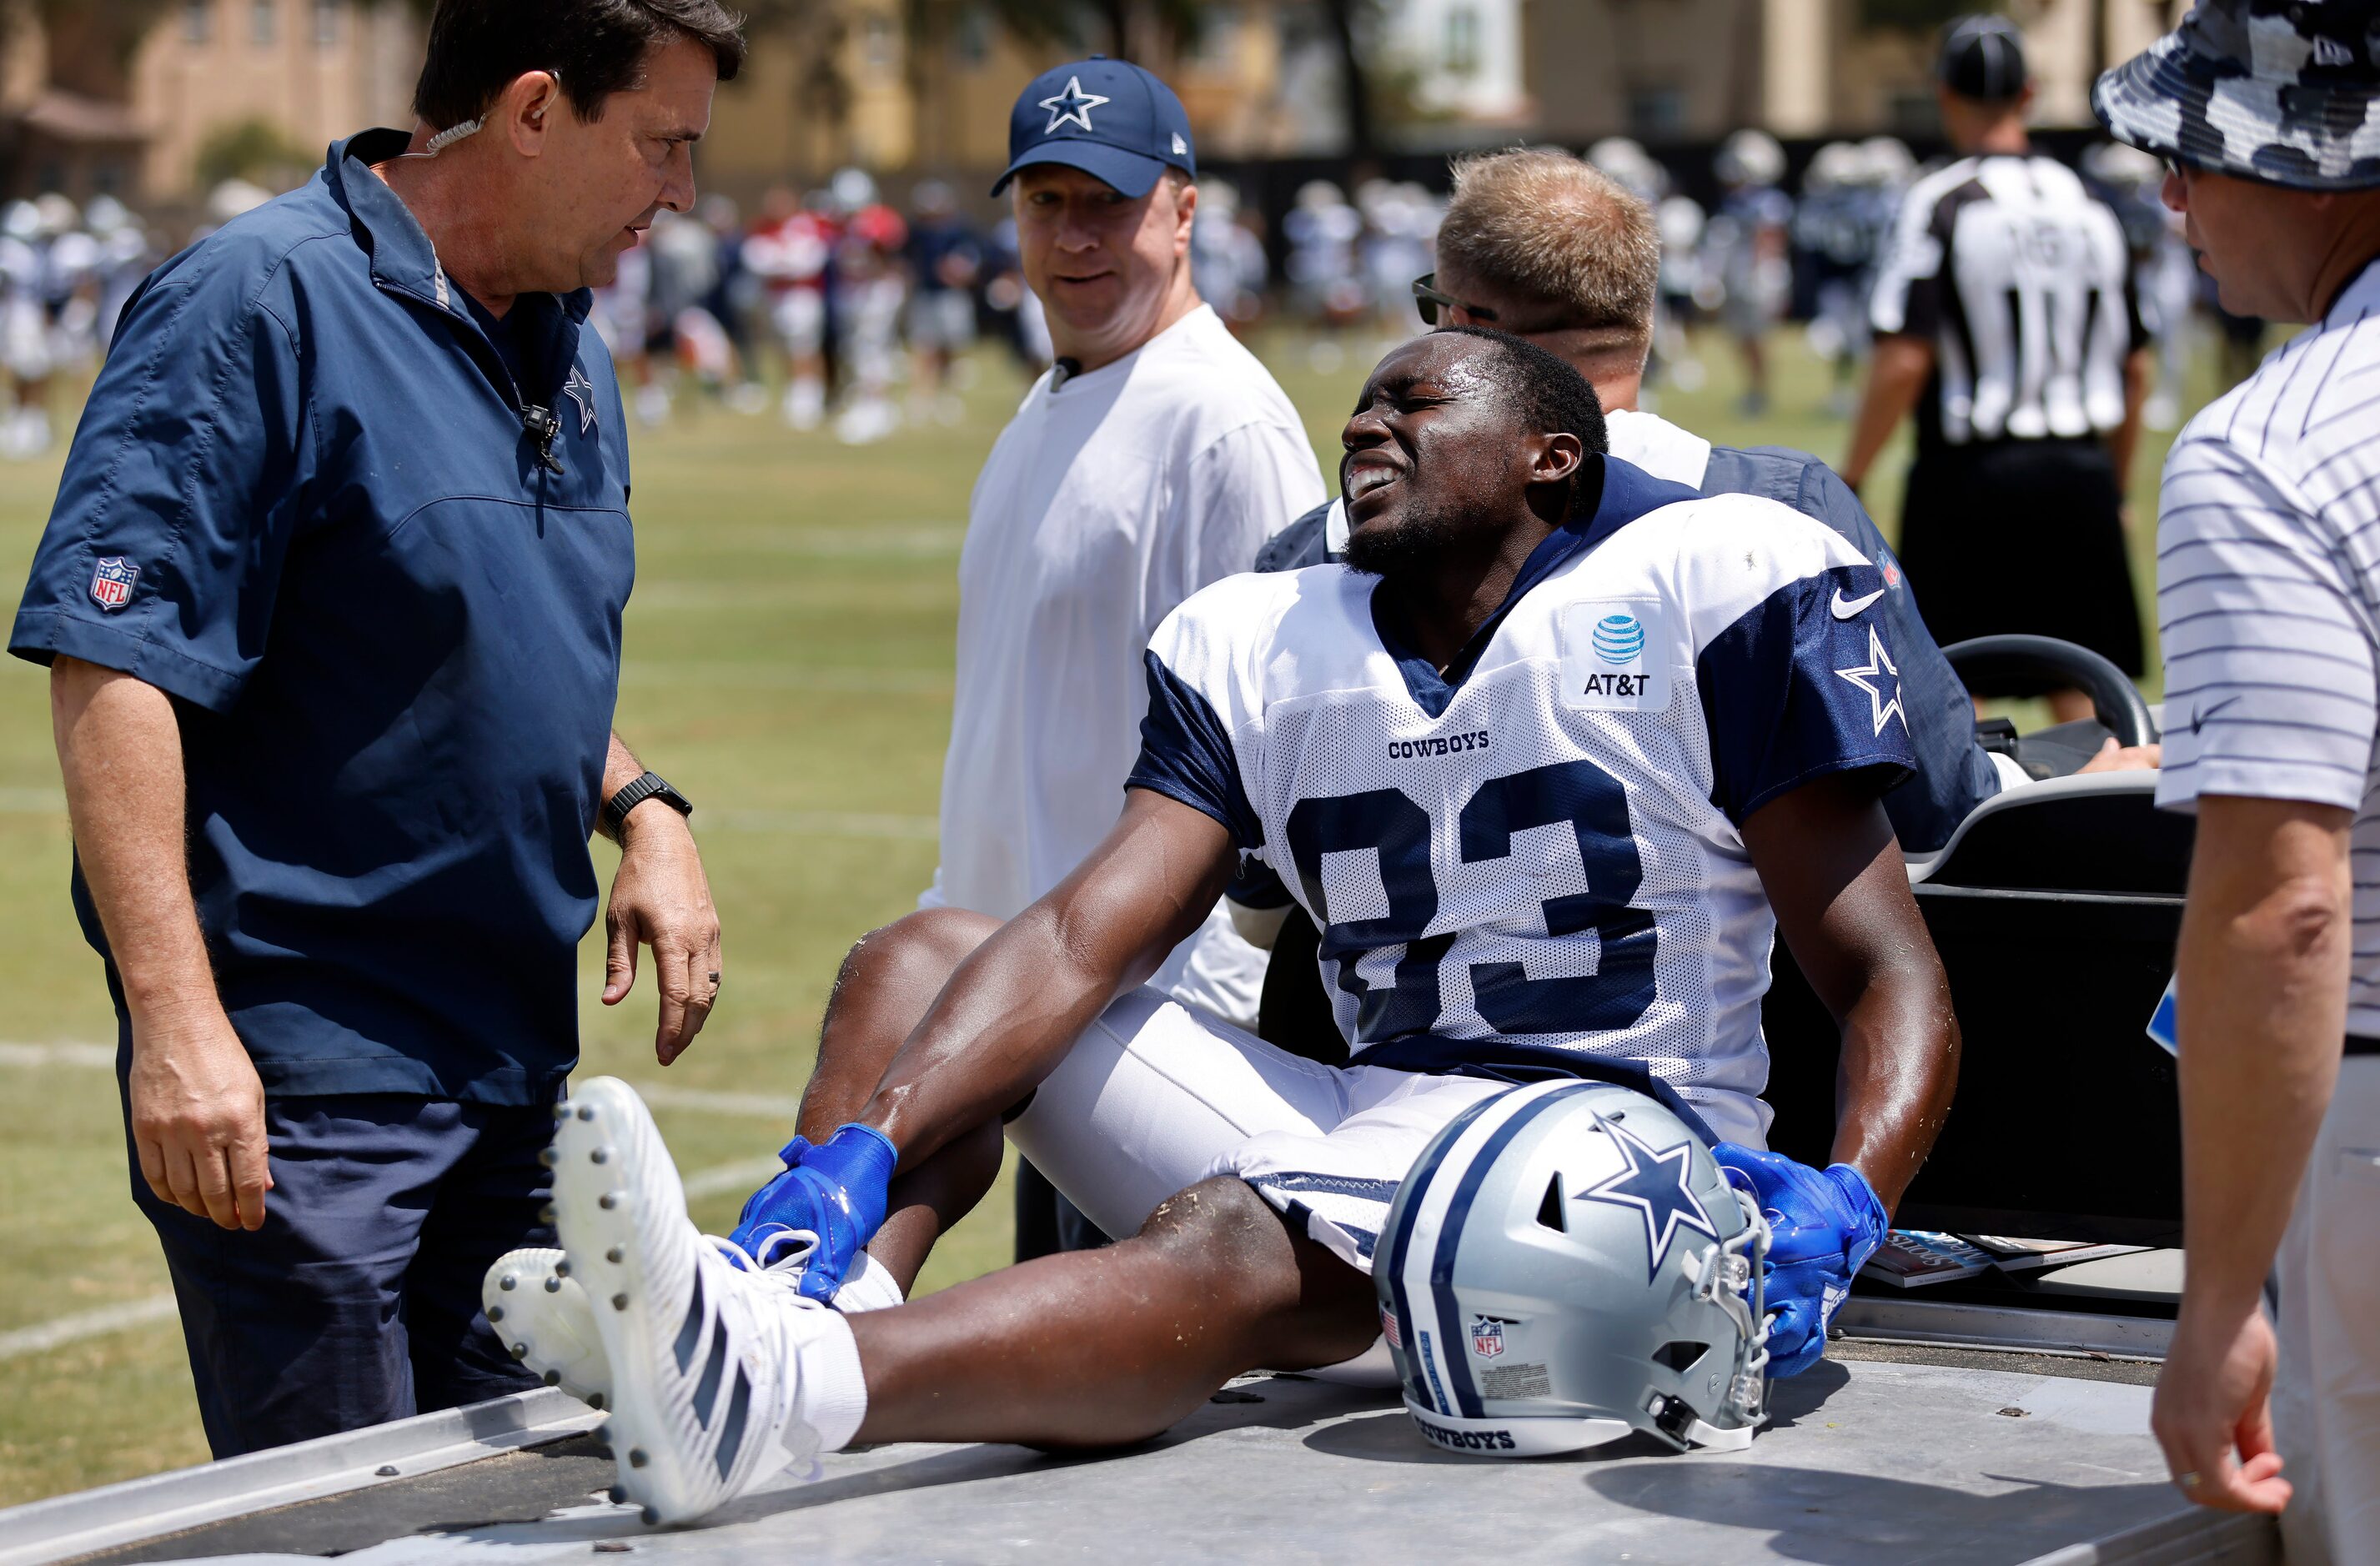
point(254, 149)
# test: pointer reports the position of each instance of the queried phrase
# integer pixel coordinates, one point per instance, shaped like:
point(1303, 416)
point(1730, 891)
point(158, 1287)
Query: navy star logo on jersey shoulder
point(1073, 107)
point(581, 391)
point(1869, 676)
point(1655, 1182)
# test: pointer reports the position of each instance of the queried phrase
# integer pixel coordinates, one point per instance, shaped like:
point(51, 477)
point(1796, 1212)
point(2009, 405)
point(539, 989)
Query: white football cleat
point(545, 1320)
point(542, 1316)
point(703, 1355)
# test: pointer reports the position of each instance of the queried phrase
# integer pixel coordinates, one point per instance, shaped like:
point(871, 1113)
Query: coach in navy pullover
point(332, 597)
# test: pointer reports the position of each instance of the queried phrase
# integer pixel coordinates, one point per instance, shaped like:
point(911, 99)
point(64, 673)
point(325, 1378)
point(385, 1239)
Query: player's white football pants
point(1156, 1097)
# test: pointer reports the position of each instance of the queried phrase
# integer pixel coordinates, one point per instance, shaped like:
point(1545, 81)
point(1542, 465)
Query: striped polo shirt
point(2268, 596)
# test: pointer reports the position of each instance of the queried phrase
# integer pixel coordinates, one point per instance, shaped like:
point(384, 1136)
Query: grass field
point(788, 665)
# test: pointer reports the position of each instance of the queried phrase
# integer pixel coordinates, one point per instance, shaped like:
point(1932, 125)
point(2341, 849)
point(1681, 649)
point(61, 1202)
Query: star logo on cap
point(1073, 107)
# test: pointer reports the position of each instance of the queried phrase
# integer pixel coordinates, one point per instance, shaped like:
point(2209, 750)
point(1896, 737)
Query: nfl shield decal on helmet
point(1487, 1337)
point(111, 582)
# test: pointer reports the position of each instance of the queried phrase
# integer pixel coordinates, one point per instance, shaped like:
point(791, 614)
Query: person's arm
point(1237, 494)
point(661, 898)
point(1013, 1009)
point(196, 1106)
point(1834, 876)
point(2261, 1012)
point(1897, 374)
point(2125, 438)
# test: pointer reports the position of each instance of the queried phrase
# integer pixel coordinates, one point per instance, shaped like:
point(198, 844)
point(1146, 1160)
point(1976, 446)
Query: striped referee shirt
point(2268, 596)
point(2021, 280)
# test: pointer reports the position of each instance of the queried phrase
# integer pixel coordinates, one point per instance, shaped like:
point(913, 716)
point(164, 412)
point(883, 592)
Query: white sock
point(867, 1287)
point(832, 1396)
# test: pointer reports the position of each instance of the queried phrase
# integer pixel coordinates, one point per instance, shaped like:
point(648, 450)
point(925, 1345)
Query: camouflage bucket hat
point(2281, 90)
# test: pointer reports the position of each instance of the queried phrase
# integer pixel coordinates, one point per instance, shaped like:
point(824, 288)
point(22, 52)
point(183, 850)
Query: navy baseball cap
point(1110, 119)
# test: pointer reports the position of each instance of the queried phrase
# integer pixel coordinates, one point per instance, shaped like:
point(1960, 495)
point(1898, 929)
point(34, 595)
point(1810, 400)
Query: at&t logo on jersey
point(1618, 639)
point(1614, 657)
point(112, 581)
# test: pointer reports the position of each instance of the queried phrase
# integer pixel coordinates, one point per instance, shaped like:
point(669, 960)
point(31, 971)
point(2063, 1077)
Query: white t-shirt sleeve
point(1241, 490)
point(2268, 648)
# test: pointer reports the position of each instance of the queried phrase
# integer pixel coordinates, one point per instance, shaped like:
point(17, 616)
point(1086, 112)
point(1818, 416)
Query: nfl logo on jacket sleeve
point(111, 582)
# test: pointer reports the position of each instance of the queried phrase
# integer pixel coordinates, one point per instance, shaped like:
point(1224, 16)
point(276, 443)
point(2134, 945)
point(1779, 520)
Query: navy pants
point(358, 1301)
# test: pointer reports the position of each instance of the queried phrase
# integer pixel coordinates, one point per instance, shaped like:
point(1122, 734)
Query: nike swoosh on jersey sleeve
point(1790, 693)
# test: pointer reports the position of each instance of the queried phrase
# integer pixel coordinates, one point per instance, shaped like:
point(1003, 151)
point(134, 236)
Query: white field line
point(858, 825)
point(703, 1100)
point(893, 541)
point(44, 1336)
point(661, 1095)
point(745, 1174)
point(724, 675)
point(98, 1057)
point(830, 823)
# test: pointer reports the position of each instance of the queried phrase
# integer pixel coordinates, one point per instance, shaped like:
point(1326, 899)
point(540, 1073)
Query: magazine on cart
point(1912, 1258)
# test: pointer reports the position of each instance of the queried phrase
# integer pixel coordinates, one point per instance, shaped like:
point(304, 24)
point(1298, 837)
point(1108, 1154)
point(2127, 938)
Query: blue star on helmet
point(1656, 1184)
point(1073, 105)
point(1869, 675)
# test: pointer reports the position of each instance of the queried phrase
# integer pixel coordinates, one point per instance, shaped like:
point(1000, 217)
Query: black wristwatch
point(651, 785)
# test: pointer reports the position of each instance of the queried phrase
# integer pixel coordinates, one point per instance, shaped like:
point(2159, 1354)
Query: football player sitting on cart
point(1549, 761)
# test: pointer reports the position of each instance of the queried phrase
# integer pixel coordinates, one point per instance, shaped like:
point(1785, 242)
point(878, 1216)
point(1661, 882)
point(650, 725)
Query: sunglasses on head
point(1430, 301)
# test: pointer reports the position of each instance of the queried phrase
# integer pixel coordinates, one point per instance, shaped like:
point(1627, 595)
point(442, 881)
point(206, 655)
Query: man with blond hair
point(1547, 246)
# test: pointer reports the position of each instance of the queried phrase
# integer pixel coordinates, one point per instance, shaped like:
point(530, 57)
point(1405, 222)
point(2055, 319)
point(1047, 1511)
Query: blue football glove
point(835, 1190)
point(1824, 1225)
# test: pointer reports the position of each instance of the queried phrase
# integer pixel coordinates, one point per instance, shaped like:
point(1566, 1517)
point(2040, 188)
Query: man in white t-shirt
point(1155, 458)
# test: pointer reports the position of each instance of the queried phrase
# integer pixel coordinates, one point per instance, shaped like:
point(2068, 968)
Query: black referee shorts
point(2023, 536)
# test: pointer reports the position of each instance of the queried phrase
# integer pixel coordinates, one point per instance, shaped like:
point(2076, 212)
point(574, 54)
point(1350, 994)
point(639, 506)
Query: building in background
point(249, 88)
point(156, 100)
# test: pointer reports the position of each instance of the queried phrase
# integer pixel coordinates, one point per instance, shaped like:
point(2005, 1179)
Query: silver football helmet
point(1565, 1264)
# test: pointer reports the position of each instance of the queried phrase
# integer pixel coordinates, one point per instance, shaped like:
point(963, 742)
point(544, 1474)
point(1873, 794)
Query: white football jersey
point(1531, 864)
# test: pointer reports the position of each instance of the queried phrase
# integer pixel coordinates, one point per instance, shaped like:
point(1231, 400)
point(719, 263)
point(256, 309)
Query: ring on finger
point(2188, 1481)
